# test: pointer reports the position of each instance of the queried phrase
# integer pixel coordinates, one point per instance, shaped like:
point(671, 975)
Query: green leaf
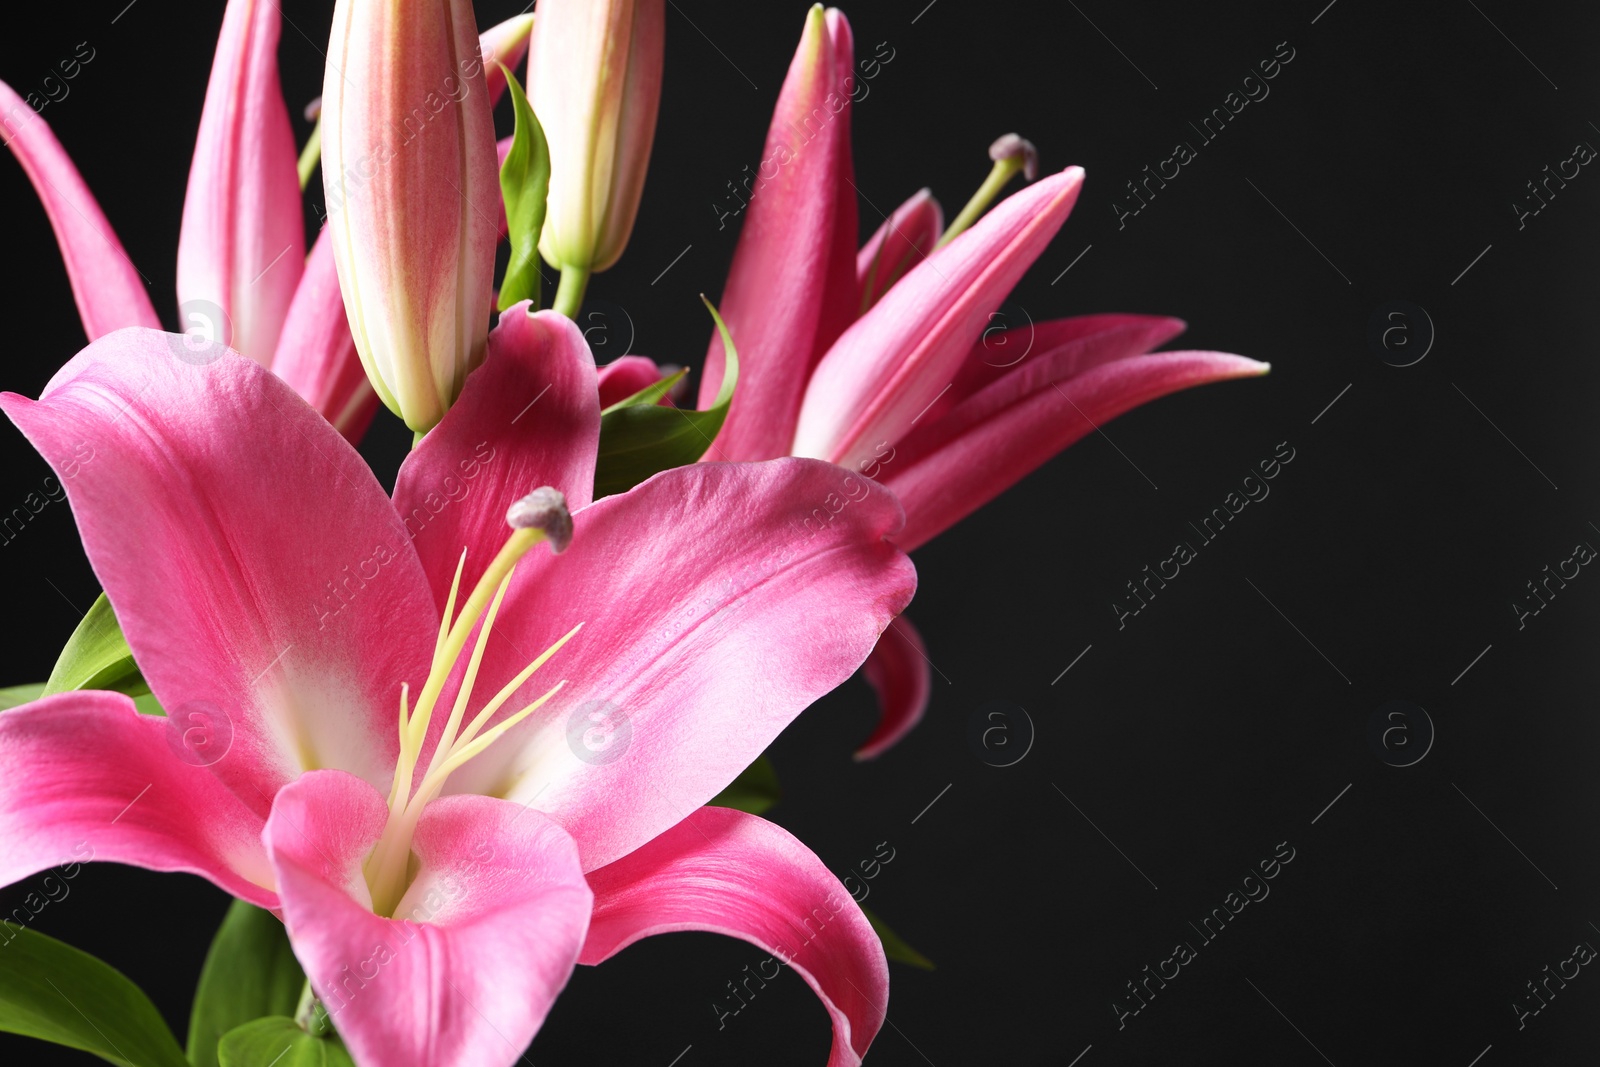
point(52, 991)
point(650, 394)
point(97, 656)
point(755, 790)
point(250, 971)
point(894, 946)
point(17, 695)
point(524, 185)
point(640, 439)
point(279, 1042)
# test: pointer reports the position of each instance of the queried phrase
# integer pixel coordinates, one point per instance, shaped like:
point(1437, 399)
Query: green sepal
point(51, 991)
point(278, 1041)
point(640, 438)
point(755, 791)
point(249, 972)
point(97, 656)
point(524, 186)
point(895, 946)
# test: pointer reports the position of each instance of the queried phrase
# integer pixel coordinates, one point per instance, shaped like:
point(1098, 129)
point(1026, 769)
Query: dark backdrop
point(1213, 729)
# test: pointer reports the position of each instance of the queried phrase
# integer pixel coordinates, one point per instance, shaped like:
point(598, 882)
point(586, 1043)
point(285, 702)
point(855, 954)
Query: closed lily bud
point(411, 178)
point(595, 83)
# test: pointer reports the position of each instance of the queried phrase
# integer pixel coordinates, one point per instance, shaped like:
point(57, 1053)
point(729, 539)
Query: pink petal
point(316, 354)
point(529, 416)
point(107, 287)
point(718, 601)
point(791, 289)
point(993, 452)
point(89, 778)
point(254, 562)
point(242, 245)
point(482, 943)
point(730, 873)
point(503, 44)
point(621, 378)
point(898, 670)
point(1068, 346)
point(905, 239)
point(883, 373)
point(1007, 365)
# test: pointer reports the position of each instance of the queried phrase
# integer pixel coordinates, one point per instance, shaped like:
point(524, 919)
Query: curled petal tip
point(543, 509)
point(1014, 146)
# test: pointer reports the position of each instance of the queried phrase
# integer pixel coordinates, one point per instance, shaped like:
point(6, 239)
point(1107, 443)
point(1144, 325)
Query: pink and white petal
point(990, 455)
point(702, 638)
point(255, 564)
point(109, 291)
point(898, 671)
point(480, 946)
point(791, 289)
point(1009, 365)
point(731, 873)
point(89, 778)
point(529, 416)
point(905, 239)
point(504, 43)
point(242, 244)
point(621, 378)
point(316, 354)
point(879, 377)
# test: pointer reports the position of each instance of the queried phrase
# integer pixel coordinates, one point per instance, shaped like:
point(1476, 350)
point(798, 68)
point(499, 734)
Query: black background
point(1227, 715)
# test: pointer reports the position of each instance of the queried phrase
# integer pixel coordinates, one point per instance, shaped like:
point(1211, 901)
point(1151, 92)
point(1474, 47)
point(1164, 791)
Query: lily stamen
point(541, 516)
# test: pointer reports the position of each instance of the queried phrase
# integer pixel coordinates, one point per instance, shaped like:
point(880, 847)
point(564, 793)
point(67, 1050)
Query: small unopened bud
point(409, 169)
point(1012, 146)
point(544, 509)
point(313, 110)
point(594, 80)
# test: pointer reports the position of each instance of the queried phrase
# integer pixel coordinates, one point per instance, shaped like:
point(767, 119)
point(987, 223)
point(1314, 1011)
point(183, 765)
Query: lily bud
point(411, 179)
point(595, 83)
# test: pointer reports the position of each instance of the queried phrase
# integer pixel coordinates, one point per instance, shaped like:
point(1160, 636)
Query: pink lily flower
point(880, 359)
point(244, 279)
point(282, 608)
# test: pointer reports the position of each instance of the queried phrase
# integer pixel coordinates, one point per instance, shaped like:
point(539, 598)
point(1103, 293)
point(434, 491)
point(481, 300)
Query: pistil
point(1010, 153)
point(541, 516)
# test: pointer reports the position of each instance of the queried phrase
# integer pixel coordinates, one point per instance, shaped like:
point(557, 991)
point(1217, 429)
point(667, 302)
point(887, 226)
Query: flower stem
point(999, 174)
point(569, 293)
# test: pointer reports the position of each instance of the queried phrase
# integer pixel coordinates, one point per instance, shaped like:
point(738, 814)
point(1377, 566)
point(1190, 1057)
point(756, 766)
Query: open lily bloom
point(882, 359)
point(461, 739)
point(243, 280)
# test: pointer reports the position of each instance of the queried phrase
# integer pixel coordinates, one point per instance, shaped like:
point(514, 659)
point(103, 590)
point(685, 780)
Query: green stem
point(310, 1014)
point(569, 293)
point(311, 154)
point(417, 436)
point(998, 176)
